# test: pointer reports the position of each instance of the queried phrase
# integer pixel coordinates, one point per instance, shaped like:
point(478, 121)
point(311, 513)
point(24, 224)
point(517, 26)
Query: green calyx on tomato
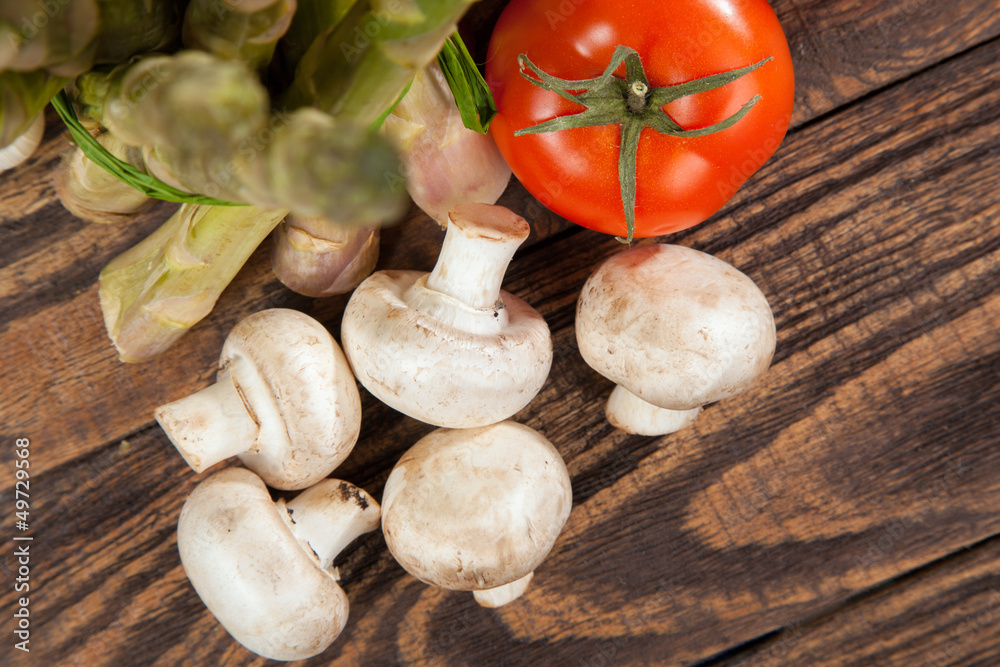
point(633, 104)
point(681, 180)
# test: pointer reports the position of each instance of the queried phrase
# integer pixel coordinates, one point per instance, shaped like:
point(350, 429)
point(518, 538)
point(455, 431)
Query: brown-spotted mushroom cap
point(284, 401)
point(477, 509)
point(676, 329)
point(264, 569)
point(450, 348)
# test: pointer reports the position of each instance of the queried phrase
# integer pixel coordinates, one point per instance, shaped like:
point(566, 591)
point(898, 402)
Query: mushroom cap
point(478, 508)
point(435, 372)
point(264, 587)
point(297, 384)
point(676, 327)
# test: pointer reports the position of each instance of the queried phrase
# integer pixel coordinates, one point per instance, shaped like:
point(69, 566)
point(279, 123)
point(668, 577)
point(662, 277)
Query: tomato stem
point(637, 96)
point(634, 105)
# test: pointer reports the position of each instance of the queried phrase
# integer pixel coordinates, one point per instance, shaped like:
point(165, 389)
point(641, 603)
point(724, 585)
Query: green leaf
point(472, 95)
point(144, 183)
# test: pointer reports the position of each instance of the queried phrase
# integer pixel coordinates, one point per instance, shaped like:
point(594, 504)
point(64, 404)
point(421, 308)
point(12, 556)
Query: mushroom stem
point(632, 414)
point(330, 515)
point(501, 595)
point(210, 425)
point(479, 244)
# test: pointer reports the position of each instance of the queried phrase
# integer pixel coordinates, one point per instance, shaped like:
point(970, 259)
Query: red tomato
point(680, 181)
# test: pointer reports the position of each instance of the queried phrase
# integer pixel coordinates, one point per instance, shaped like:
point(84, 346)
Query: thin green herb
point(385, 114)
point(472, 95)
point(144, 183)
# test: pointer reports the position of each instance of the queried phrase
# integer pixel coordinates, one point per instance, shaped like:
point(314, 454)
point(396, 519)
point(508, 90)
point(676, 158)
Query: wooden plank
point(945, 615)
point(843, 50)
point(868, 451)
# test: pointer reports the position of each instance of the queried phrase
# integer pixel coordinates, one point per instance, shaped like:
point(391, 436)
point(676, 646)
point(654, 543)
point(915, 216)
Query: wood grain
point(845, 49)
point(945, 614)
point(867, 453)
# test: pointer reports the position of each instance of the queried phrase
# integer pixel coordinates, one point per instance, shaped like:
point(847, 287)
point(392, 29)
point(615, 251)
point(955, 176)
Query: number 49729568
point(22, 485)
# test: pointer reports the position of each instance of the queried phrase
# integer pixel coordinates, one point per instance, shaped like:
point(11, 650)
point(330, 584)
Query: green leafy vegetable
point(357, 68)
point(472, 95)
point(144, 183)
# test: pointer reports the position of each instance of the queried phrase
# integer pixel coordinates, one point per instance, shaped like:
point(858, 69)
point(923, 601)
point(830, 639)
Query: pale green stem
point(359, 67)
point(23, 95)
point(312, 18)
point(154, 292)
point(237, 30)
point(91, 193)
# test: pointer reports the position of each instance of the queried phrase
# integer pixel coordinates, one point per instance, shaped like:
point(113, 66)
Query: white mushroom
point(450, 348)
point(675, 329)
point(284, 401)
point(264, 569)
point(24, 146)
point(477, 509)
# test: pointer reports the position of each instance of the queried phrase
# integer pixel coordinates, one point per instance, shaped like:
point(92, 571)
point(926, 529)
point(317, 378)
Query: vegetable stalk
point(359, 67)
point(130, 27)
point(60, 39)
point(312, 18)
point(205, 125)
point(320, 167)
point(22, 98)
point(43, 46)
point(154, 292)
point(193, 104)
point(238, 30)
point(68, 37)
point(89, 191)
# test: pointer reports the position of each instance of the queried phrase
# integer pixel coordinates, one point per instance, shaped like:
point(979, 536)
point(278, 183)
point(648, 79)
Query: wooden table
point(844, 512)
